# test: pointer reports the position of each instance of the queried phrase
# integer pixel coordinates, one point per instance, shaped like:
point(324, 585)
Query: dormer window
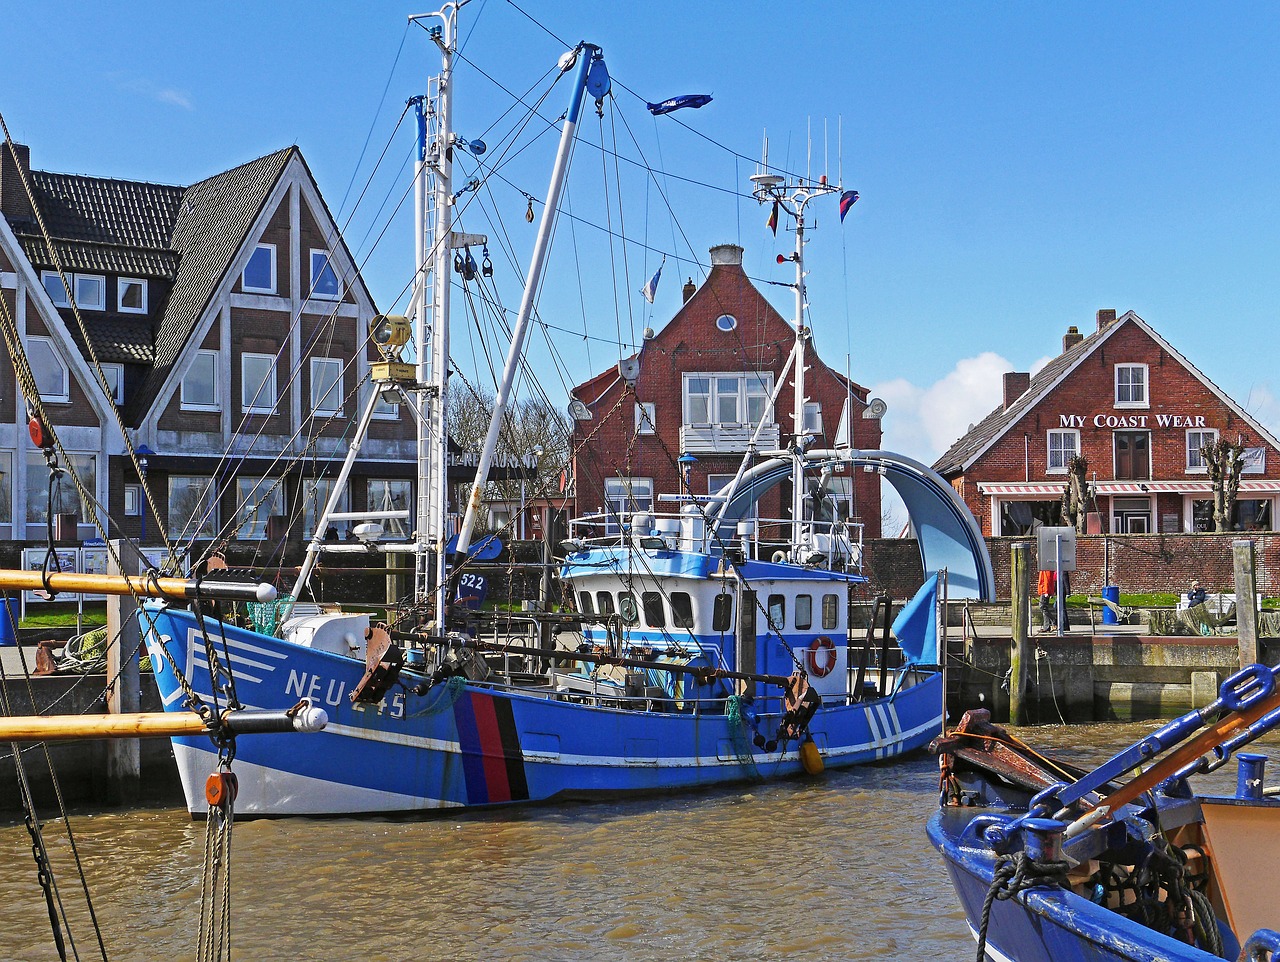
point(132, 295)
point(91, 292)
point(54, 288)
point(324, 281)
point(259, 275)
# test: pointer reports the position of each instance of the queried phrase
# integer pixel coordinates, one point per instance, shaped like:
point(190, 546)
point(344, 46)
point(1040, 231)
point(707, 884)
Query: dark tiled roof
point(212, 222)
point(127, 341)
point(99, 210)
point(100, 258)
point(981, 434)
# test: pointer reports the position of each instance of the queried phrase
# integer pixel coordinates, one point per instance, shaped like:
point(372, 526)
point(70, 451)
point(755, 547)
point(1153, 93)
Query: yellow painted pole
point(57, 728)
point(179, 589)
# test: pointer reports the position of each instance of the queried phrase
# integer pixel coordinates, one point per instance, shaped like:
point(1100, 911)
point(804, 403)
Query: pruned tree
point(1075, 496)
point(1225, 461)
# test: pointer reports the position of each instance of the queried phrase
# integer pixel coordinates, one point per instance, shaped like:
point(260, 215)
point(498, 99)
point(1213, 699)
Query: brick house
point(703, 383)
point(229, 322)
point(1139, 412)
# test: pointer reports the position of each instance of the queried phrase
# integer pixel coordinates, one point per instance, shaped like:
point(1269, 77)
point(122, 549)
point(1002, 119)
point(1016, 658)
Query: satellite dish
point(579, 411)
point(629, 368)
point(876, 409)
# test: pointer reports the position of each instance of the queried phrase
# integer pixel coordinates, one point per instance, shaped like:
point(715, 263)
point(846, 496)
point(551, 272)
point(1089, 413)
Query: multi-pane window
point(50, 373)
point(1196, 442)
point(726, 398)
point(813, 417)
point(200, 383)
point(131, 295)
point(316, 493)
point(260, 273)
point(324, 280)
point(193, 507)
point(258, 383)
point(645, 417)
point(257, 499)
point(624, 495)
point(326, 385)
point(390, 495)
point(1064, 444)
point(1131, 385)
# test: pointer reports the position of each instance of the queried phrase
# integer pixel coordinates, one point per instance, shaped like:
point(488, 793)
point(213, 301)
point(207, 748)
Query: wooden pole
point(1242, 557)
point(1020, 605)
point(175, 589)
point(124, 757)
point(154, 724)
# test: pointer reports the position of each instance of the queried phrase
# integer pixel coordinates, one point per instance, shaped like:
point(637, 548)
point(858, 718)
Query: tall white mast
point(792, 198)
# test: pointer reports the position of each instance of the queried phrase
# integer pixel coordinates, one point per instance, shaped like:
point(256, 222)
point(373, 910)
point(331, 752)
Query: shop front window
point(1023, 517)
point(1247, 514)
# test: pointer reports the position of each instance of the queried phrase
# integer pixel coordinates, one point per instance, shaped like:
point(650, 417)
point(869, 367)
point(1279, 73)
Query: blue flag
point(675, 103)
point(651, 287)
point(916, 626)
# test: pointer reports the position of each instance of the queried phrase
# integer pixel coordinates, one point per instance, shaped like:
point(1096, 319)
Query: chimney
point(1106, 316)
point(1074, 337)
point(726, 255)
point(689, 289)
point(1015, 385)
point(15, 159)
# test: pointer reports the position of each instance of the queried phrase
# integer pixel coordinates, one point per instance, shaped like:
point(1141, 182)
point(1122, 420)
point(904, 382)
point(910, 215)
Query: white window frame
point(331, 398)
point(1195, 462)
point(626, 496)
point(1049, 452)
point(718, 482)
point(132, 500)
point(211, 357)
point(812, 417)
point(244, 280)
point(1145, 401)
point(315, 275)
point(646, 415)
point(85, 468)
point(63, 396)
point(7, 479)
point(57, 293)
point(100, 304)
point(113, 367)
point(390, 494)
point(752, 386)
point(121, 284)
point(253, 400)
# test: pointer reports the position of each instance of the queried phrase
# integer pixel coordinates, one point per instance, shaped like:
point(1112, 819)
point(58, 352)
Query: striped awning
point(1026, 490)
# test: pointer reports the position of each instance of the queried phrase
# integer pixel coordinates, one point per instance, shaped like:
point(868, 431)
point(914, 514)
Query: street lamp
point(143, 453)
point(537, 454)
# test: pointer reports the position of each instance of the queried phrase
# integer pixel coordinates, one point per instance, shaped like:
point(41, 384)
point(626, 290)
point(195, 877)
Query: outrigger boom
point(58, 728)
point(144, 586)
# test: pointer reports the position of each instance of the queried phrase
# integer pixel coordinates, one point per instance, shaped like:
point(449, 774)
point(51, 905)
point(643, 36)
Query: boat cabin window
point(681, 609)
point(627, 608)
point(804, 612)
point(830, 612)
point(584, 603)
point(654, 615)
point(777, 612)
point(722, 613)
point(604, 602)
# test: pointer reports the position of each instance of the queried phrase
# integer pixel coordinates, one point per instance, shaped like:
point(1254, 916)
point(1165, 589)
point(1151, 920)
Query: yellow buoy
point(810, 757)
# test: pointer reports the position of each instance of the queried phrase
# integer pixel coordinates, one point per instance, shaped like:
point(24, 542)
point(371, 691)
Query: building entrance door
point(1131, 515)
point(1133, 456)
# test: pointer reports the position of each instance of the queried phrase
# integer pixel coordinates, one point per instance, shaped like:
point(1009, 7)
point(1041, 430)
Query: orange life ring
point(822, 668)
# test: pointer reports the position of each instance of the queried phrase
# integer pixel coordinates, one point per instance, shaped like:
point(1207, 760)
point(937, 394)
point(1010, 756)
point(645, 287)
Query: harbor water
point(832, 868)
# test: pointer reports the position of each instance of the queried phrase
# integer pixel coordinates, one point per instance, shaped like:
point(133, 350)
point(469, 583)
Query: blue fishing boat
point(1052, 864)
point(697, 654)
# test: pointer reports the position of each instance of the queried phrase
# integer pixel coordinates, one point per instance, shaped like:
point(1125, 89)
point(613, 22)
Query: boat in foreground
point(1052, 864)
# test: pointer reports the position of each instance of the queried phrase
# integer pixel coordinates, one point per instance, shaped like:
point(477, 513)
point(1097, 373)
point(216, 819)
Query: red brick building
point(1139, 412)
point(701, 386)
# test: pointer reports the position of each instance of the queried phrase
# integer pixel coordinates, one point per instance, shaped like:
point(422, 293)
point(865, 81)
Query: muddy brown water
point(833, 868)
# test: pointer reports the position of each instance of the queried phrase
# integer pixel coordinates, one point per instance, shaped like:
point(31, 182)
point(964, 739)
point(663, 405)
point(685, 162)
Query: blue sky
point(1020, 165)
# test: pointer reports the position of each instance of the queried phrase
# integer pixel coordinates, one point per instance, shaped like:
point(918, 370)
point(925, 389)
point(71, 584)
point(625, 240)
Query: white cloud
point(175, 97)
point(147, 88)
point(922, 422)
point(1263, 404)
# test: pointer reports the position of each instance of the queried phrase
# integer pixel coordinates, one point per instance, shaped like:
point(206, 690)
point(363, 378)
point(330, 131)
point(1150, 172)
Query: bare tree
point(1075, 495)
point(1225, 461)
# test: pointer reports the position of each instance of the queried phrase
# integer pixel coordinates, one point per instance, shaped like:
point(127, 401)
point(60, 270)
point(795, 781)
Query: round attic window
point(726, 322)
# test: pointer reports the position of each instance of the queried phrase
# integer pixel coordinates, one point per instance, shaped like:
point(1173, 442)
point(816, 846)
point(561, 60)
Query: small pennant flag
point(773, 219)
point(847, 200)
point(651, 287)
point(676, 103)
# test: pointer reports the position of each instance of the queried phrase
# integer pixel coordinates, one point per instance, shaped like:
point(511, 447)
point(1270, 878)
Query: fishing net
point(740, 732)
point(442, 697)
point(264, 616)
